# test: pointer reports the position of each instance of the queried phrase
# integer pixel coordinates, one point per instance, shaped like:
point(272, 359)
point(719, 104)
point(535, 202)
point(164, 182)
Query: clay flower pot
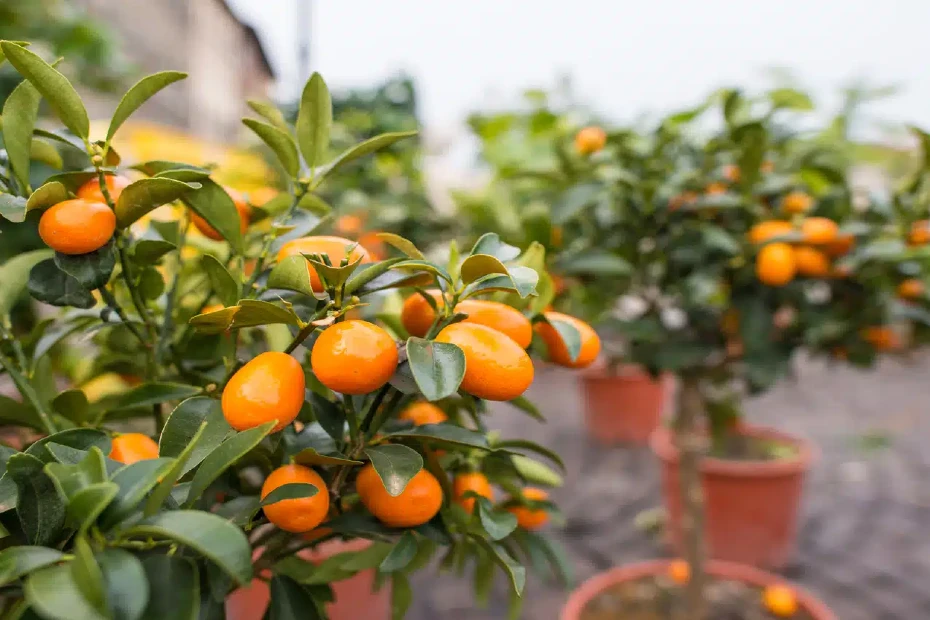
point(751, 506)
point(354, 597)
point(625, 406)
point(591, 588)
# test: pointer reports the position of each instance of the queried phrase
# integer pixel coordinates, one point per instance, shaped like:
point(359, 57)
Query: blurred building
point(205, 38)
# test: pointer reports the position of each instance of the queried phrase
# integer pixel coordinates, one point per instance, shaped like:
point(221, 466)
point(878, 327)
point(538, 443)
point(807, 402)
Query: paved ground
point(864, 544)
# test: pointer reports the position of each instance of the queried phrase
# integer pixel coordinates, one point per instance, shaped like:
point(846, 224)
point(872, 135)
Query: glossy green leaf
point(514, 570)
point(574, 201)
point(224, 457)
point(45, 153)
point(529, 446)
point(51, 193)
point(270, 113)
point(595, 263)
point(39, 507)
point(183, 425)
point(333, 276)
point(396, 465)
point(74, 179)
point(174, 588)
point(149, 251)
point(491, 244)
point(224, 286)
point(480, 265)
point(310, 457)
point(535, 472)
point(54, 87)
point(133, 483)
point(16, 562)
point(450, 435)
point(404, 245)
point(240, 510)
point(55, 595)
point(13, 208)
point(438, 367)
point(166, 484)
point(149, 394)
point(77, 438)
point(499, 524)
point(213, 537)
point(215, 322)
point(291, 274)
point(365, 148)
point(125, 583)
point(253, 312)
point(20, 43)
point(92, 270)
point(141, 91)
point(314, 121)
point(50, 284)
point(313, 203)
point(367, 273)
point(86, 574)
point(20, 112)
point(401, 596)
point(290, 601)
point(401, 555)
point(212, 203)
point(74, 470)
point(145, 195)
point(89, 503)
point(280, 142)
point(520, 280)
point(14, 274)
point(295, 490)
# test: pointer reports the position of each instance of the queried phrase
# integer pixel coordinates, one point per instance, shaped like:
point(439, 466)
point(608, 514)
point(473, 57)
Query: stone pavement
point(864, 541)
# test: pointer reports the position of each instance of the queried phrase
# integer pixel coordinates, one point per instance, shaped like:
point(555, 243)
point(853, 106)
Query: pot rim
point(662, 445)
point(593, 586)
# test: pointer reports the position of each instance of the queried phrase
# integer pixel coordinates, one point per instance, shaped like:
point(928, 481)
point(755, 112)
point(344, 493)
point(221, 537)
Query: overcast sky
point(625, 56)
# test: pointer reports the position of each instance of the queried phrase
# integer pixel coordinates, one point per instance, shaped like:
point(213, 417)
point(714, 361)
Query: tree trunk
point(690, 441)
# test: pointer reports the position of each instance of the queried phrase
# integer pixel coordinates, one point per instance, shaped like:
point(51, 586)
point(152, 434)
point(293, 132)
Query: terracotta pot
point(354, 597)
point(625, 406)
point(591, 588)
point(751, 506)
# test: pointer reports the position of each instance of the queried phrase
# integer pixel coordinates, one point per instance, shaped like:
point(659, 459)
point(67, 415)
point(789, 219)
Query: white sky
point(625, 56)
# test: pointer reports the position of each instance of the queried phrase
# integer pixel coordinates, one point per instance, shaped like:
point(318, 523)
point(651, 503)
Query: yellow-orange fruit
point(496, 368)
point(797, 202)
point(558, 352)
point(775, 264)
point(417, 317)
point(590, 140)
point(129, 448)
point(269, 387)
point(300, 514)
point(418, 502)
point(77, 226)
point(336, 248)
point(781, 601)
point(354, 357)
point(530, 518)
point(242, 208)
point(811, 262)
point(763, 231)
point(475, 482)
point(91, 191)
point(819, 230)
point(912, 288)
point(422, 412)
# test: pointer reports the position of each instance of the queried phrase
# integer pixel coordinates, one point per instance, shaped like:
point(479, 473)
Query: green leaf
point(438, 367)
point(295, 490)
point(480, 265)
point(270, 113)
point(535, 472)
point(86, 574)
point(14, 274)
point(314, 120)
point(16, 562)
point(174, 588)
point(224, 457)
point(13, 208)
point(366, 274)
point(240, 510)
point(166, 485)
point(39, 507)
point(281, 143)
point(212, 203)
point(224, 286)
point(45, 153)
point(20, 43)
point(144, 195)
point(125, 583)
point(18, 414)
point(310, 457)
point(141, 91)
point(595, 262)
point(183, 425)
point(290, 601)
point(54, 594)
point(791, 99)
point(333, 276)
point(401, 555)
point(405, 246)
point(19, 118)
point(491, 244)
point(50, 284)
point(396, 465)
point(47, 195)
point(218, 540)
point(313, 203)
point(575, 200)
point(401, 596)
point(55, 88)
point(499, 524)
point(89, 503)
point(215, 322)
point(91, 270)
point(149, 394)
point(149, 251)
point(133, 483)
point(527, 407)
point(529, 446)
point(450, 435)
point(570, 336)
point(291, 274)
point(253, 312)
point(77, 438)
point(518, 279)
point(514, 570)
point(365, 148)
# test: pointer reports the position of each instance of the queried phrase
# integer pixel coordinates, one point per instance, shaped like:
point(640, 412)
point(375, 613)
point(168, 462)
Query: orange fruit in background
point(91, 191)
point(882, 337)
point(590, 140)
point(336, 248)
point(476, 482)
point(262, 196)
point(529, 518)
point(417, 317)
point(715, 188)
point(558, 352)
point(797, 202)
point(212, 308)
point(763, 231)
point(242, 208)
point(270, 387)
point(129, 448)
point(912, 288)
point(354, 357)
point(680, 200)
point(767, 166)
point(841, 246)
point(375, 246)
point(77, 226)
point(819, 230)
point(780, 600)
point(811, 262)
point(418, 503)
point(349, 224)
point(496, 368)
point(731, 173)
point(301, 514)
point(679, 571)
point(423, 413)
point(775, 264)
point(919, 233)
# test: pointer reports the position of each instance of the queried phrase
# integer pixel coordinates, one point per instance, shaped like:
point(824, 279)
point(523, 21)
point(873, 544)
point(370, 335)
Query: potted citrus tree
point(264, 454)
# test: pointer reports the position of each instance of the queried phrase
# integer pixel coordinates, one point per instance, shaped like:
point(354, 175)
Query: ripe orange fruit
point(811, 262)
point(301, 514)
point(558, 352)
point(780, 600)
point(715, 188)
point(763, 231)
point(475, 482)
point(841, 246)
point(417, 316)
point(590, 140)
point(423, 413)
point(334, 247)
point(496, 368)
point(130, 448)
point(819, 230)
point(349, 224)
point(679, 571)
point(797, 202)
point(731, 173)
point(77, 226)
point(767, 166)
point(882, 337)
point(354, 357)
point(91, 191)
point(680, 200)
point(529, 518)
point(242, 208)
point(418, 503)
point(775, 264)
point(912, 288)
point(269, 387)
point(920, 233)
point(375, 246)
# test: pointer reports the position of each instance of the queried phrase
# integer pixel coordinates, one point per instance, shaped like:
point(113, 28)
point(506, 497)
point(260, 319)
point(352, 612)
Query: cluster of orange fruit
point(780, 600)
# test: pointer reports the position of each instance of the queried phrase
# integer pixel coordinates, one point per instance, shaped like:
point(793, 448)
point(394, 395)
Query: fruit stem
point(690, 443)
